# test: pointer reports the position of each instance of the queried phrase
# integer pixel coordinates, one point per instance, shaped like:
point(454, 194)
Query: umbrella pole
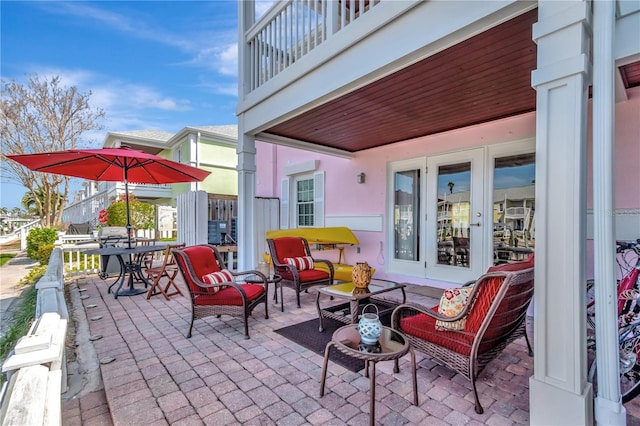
point(126, 198)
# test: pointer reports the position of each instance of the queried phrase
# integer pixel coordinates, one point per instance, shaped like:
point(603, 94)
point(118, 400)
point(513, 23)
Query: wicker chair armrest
point(292, 269)
point(326, 262)
point(263, 277)
point(204, 286)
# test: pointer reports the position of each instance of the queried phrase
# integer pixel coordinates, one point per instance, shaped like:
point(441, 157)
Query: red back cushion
point(516, 266)
point(223, 276)
point(289, 247)
point(482, 301)
point(203, 262)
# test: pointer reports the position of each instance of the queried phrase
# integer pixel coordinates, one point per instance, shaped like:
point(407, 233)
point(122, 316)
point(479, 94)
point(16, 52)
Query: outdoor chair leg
point(479, 408)
point(526, 337)
point(246, 327)
point(190, 328)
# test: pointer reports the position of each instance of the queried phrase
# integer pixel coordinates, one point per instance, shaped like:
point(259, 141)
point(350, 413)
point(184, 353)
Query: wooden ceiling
point(630, 75)
point(484, 78)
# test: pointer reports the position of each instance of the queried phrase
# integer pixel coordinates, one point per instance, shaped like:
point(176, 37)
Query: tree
point(451, 185)
point(40, 117)
point(29, 201)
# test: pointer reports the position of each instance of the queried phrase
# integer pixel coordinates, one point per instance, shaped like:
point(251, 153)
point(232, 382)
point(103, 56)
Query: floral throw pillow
point(301, 263)
point(223, 276)
point(451, 304)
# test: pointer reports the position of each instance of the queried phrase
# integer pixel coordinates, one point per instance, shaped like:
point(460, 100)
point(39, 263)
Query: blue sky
point(149, 64)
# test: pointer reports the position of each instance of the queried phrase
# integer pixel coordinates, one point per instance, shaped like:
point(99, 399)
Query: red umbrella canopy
point(111, 164)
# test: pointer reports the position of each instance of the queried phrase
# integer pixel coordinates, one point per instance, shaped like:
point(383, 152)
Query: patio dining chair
point(215, 290)
point(167, 270)
point(292, 260)
point(471, 325)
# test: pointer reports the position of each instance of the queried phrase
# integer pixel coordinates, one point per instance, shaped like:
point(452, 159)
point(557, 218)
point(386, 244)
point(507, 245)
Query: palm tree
point(451, 185)
point(33, 207)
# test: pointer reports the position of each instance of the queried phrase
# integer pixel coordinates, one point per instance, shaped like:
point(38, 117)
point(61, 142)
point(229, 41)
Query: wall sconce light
point(361, 177)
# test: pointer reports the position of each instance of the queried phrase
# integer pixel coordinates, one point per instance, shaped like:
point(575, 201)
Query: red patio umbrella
point(113, 165)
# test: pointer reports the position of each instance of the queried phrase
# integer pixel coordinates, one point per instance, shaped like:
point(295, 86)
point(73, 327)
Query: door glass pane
point(513, 208)
point(406, 211)
point(454, 189)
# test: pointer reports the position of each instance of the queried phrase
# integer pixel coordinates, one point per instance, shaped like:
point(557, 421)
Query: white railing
point(36, 370)
point(293, 28)
point(77, 262)
point(516, 212)
point(87, 209)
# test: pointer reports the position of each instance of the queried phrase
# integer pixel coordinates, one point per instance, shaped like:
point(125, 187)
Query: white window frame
point(402, 266)
point(288, 198)
point(297, 202)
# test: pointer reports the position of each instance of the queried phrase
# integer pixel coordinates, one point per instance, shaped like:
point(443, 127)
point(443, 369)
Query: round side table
point(271, 279)
point(391, 346)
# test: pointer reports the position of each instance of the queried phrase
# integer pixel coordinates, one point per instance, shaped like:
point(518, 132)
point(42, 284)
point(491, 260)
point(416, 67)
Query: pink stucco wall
point(627, 162)
point(627, 158)
point(344, 196)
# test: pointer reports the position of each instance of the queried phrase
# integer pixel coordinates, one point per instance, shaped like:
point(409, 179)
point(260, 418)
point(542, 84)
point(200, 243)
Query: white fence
point(36, 370)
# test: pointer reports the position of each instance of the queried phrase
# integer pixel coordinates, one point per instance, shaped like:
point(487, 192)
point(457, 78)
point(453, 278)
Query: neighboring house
point(393, 101)
point(211, 148)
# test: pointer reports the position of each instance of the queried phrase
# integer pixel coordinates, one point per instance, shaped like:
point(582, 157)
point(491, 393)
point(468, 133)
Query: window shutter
point(318, 199)
point(284, 204)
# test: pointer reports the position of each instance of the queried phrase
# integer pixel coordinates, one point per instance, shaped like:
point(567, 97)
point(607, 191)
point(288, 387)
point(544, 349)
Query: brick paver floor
point(154, 375)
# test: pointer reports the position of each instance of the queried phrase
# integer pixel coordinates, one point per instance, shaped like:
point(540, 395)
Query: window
point(406, 213)
point(405, 216)
point(304, 202)
point(514, 217)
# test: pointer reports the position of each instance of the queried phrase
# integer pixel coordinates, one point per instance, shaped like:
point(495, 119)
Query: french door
point(453, 215)
point(455, 225)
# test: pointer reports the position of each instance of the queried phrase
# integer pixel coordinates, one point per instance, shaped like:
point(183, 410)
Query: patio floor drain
point(107, 359)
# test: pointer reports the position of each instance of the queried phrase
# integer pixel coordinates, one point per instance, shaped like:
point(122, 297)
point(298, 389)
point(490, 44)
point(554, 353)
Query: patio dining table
point(130, 260)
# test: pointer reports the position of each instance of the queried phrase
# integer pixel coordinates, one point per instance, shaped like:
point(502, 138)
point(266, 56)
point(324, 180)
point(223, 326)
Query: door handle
point(475, 224)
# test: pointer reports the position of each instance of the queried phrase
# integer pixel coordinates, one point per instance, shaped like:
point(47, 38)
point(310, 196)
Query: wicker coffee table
point(348, 312)
point(392, 345)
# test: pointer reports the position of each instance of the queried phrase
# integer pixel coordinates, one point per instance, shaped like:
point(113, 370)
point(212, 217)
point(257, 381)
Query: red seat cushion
point(230, 296)
point(424, 327)
point(306, 276)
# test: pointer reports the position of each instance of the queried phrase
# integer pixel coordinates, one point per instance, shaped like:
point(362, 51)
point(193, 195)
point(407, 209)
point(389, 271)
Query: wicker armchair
point(495, 316)
point(224, 298)
point(284, 248)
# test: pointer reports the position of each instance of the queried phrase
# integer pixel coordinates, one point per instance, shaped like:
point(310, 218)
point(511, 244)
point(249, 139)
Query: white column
point(246, 148)
point(246, 196)
point(558, 391)
point(608, 406)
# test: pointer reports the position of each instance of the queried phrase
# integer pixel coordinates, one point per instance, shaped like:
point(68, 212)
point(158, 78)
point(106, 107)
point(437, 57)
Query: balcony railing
point(293, 28)
point(516, 212)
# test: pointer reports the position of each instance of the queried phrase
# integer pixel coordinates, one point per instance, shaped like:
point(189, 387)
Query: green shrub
point(34, 275)
point(39, 237)
point(142, 214)
point(44, 253)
